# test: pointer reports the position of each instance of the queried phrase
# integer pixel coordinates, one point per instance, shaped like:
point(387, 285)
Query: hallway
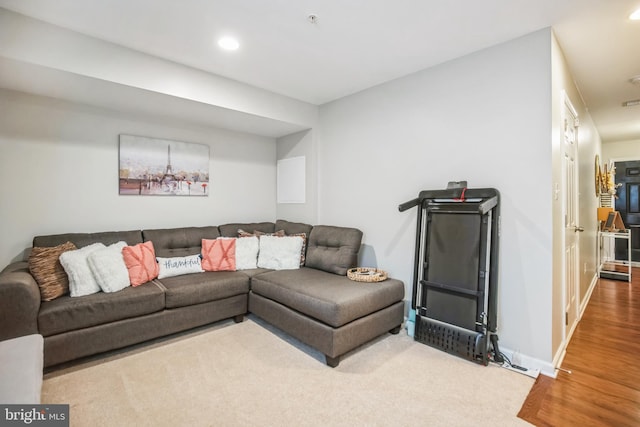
point(603, 356)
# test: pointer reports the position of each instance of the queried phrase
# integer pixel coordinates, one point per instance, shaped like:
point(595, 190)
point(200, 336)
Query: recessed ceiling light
point(631, 103)
point(228, 43)
point(635, 80)
point(635, 16)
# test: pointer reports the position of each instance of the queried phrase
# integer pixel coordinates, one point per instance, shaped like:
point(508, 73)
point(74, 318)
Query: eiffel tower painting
point(152, 166)
point(168, 173)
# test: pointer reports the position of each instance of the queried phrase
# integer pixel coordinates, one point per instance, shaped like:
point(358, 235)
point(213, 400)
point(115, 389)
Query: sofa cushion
point(85, 239)
point(333, 249)
point(293, 227)
point(332, 299)
point(231, 230)
point(141, 263)
point(192, 289)
point(45, 267)
point(68, 314)
point(179, 242)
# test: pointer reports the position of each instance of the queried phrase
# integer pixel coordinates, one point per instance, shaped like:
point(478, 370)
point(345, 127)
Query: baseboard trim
point(562, 350)
point(559, 357)
point(587, 297)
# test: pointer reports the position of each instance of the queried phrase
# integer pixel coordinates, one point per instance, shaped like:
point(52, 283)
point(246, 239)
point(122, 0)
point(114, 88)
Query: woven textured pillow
point(45, 267)
point(219, 254)
point(141, 263)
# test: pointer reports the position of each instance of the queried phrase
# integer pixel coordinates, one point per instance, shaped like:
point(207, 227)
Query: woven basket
point(366, 274)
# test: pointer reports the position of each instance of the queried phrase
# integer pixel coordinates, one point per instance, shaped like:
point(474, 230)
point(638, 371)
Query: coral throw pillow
point(219, 254)
point(141, 263)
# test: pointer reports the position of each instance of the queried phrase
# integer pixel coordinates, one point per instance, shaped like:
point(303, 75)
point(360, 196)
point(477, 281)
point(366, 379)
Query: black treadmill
point(456, 271)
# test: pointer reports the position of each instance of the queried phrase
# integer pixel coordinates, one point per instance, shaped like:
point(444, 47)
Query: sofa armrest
point(19, 301)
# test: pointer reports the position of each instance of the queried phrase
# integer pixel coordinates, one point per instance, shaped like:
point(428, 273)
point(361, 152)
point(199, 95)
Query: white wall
point(59, 173)
point(620, 151)
point(484, 118)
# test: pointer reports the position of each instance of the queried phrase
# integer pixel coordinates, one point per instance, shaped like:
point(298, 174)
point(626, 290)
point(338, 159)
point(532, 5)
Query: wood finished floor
point(604, 358)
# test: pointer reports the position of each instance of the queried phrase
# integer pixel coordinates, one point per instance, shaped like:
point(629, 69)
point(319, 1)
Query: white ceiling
point(357, 44)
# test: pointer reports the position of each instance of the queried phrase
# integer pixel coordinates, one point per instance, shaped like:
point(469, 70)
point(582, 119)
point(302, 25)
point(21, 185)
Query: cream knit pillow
point(108, 267)
point(280, 253)
point(81, 280)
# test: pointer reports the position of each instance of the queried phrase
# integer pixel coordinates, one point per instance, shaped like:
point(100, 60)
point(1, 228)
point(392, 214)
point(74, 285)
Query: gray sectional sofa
point(316, 303)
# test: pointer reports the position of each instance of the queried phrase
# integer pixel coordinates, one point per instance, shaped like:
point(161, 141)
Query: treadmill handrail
point(489, 195)
point(482, 207)
point(408, 205)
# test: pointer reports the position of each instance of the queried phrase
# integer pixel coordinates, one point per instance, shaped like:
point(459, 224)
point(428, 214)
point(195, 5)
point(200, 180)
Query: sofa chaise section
point(328, 312)
point(320, 306)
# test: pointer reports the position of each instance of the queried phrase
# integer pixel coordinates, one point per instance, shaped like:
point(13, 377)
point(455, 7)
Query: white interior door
point(572, 228)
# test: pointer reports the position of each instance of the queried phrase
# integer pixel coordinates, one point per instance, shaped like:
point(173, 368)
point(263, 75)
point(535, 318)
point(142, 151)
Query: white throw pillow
point(108, 267)
point(75, 264)
point(177, 266)
point(280, 253)
point(247, 252)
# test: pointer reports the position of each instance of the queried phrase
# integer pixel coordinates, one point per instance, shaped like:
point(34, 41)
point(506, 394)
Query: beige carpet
point(250, 374)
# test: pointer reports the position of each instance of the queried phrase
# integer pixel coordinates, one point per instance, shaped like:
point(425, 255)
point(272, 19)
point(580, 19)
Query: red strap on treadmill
point(461, 198)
